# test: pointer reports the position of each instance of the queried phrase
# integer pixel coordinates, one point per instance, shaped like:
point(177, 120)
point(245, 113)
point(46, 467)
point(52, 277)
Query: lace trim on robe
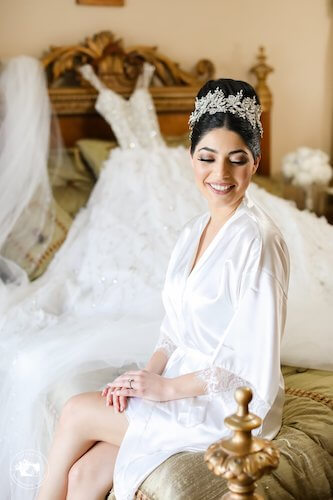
point(165, 344)
point(219, 380)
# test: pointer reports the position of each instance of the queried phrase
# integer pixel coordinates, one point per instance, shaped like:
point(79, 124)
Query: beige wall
point(296, 33)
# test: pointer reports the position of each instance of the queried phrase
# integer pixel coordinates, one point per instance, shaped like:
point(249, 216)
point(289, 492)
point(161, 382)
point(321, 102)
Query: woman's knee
point(72, 410)
point(86, 474)
point(81, 472)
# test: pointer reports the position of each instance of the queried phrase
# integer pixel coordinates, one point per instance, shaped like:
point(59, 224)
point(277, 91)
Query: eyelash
point(242, 162)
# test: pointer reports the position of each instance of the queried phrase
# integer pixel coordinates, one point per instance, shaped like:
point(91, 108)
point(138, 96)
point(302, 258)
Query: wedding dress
point(98, 307)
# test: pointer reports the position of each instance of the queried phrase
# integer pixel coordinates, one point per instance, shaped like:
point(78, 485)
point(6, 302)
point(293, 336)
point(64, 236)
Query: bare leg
point(84, 420)
point(90, 478)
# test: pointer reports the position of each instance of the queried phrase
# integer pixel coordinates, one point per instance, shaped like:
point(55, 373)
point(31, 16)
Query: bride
point(97, 309)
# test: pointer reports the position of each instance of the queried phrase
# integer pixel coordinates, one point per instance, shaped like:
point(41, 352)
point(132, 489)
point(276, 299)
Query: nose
point(223, 169)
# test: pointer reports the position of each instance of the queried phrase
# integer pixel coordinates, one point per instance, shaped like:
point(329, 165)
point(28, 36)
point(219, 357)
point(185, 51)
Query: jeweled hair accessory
point(216, 102)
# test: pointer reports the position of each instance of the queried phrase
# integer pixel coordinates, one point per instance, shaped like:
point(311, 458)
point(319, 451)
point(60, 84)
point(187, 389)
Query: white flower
point(307, 166)
point(323, 157)
point(290, 157)
point(289, 169)
point(303, 179)
point(303, 153)
point(322, 174)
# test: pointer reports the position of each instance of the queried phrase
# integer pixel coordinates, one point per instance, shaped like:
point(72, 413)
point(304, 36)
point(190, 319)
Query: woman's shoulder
point(269, 243)
point(260, 225)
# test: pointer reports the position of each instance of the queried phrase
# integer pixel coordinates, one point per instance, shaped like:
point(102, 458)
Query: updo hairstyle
point(233, 122)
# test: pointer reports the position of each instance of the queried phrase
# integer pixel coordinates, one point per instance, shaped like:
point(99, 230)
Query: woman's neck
point(220, 215)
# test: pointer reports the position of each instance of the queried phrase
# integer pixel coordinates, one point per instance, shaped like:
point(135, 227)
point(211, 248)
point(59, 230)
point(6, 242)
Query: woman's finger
point(124, 377)
point(123, 381)
point(109, 398)
point(122, 402)
point(126, 392)
point(115, 402)
point(119, 402)
point(104, 391)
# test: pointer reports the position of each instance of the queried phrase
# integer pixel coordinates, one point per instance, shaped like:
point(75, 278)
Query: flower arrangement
point(307, 167)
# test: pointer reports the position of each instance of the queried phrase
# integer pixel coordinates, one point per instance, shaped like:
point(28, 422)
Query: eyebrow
point(208, 149)
point(238, 151)
point(230, 153)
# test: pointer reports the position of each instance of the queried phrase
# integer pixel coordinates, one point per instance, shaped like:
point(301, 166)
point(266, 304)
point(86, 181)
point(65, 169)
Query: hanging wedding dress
point(98, 306)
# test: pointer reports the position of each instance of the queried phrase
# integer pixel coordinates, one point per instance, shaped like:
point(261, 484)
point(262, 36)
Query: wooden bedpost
point(261, 71)
point(242, 459)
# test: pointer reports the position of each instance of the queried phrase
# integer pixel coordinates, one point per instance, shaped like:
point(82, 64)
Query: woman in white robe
point(225, 299)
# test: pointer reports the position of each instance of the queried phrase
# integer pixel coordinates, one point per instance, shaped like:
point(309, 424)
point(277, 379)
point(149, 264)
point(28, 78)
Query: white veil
point(26, 208)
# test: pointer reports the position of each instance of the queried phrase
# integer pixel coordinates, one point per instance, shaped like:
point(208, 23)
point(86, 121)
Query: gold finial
point(261, 71)
point(242, 459)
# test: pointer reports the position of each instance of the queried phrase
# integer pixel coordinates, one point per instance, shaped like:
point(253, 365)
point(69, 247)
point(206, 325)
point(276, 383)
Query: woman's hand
point(142, 384)
point(119, 402)
point(147, 385)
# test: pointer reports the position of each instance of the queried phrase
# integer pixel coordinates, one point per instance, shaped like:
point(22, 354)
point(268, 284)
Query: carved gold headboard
point(172, 88)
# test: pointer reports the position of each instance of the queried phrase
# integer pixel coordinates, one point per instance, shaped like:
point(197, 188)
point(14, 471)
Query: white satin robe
point(225, 318)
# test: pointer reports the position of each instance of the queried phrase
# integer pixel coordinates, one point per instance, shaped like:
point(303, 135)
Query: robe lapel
point(188, 274)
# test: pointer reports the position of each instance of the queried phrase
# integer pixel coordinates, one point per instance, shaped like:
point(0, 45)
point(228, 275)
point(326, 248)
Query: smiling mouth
point(221, 188)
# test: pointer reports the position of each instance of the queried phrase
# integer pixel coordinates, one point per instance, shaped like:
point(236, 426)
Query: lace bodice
point(133, 121)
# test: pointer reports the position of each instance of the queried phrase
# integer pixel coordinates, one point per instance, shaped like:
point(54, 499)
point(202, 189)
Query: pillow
point(62, 224)
point(271, 185)
point(71, 181)
point(94, 152)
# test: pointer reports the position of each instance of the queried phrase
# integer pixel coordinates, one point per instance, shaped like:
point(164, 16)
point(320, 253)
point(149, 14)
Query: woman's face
point(223, 167)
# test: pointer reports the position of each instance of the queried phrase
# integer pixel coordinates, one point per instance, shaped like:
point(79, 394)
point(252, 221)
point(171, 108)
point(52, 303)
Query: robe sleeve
point(164, 342)
point(251, 356)
point(221, 382)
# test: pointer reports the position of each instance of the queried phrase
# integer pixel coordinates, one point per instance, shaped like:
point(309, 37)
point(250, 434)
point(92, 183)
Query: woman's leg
point(90, 478)
point(84, 420)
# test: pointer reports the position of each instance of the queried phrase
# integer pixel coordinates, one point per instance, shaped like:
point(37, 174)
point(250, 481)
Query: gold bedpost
point(242, 459)
point(261, 71)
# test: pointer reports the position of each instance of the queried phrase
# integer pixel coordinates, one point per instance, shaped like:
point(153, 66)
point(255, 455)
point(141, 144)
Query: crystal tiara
point(216, 102)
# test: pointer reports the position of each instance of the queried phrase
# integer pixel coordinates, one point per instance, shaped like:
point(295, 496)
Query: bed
point(88, 139)
point(305, 440)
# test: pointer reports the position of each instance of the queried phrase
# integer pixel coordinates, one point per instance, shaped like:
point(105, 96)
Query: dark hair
point(207, 122)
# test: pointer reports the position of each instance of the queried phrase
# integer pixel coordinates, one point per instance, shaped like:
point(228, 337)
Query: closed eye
point(242, 162)
point(208, 160)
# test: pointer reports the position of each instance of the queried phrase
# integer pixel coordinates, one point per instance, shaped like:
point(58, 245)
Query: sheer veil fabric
point(98, 307)
point(26, 209)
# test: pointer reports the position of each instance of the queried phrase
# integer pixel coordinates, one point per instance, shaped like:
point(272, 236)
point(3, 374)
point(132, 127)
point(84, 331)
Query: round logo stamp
point(28, 469)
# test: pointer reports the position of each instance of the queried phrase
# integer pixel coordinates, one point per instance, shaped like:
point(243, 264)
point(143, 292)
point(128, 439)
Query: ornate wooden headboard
point(173, 89)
